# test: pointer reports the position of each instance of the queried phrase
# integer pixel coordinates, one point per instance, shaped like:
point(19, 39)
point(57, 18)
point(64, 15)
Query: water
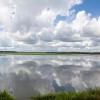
point(25, 76)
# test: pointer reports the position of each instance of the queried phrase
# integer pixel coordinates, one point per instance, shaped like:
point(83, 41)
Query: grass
point(5, 96)
point(91, 94)
point(45, 53)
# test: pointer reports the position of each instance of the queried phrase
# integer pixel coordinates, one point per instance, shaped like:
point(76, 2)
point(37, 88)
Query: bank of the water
point(85, 95)
point(5, 96)
point(91, 94)
point(47, 53)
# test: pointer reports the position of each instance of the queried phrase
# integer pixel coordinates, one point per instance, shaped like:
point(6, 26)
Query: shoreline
point(89, 94)
point(48, 53)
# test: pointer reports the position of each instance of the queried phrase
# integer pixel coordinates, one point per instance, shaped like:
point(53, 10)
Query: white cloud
point(92, 28)
point(46, 18)
point(5, 40)
point(46, 35)
point(5, 13)
point(31, 22)
point(32, 13)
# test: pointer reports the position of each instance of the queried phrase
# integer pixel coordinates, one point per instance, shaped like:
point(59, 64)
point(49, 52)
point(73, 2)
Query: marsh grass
point(90, 94)
point(5, 96)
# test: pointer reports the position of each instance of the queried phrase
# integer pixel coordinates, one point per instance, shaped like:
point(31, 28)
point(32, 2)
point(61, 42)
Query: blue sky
point(90, 6)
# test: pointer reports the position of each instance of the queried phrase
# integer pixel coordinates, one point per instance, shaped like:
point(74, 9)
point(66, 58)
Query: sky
point(50, 25)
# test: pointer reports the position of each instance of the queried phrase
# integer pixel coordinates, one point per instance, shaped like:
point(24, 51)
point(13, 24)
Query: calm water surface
point(25, 76)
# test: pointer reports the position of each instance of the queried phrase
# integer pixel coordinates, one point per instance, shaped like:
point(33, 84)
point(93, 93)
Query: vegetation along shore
point(90, 94)
point(45, 53)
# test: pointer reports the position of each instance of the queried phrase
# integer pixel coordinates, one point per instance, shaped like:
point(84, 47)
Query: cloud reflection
point(29, 75)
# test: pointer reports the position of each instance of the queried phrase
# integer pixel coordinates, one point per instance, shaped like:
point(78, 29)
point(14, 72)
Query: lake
point(25, 76)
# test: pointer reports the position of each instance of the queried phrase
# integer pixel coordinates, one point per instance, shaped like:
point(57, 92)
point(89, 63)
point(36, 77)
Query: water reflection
point(24, 76)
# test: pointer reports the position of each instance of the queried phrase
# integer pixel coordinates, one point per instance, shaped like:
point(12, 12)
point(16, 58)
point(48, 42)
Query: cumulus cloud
point(46, 18)
point(46, 35)
point(32, 23)
point(5, 41)
point(35, 13)
point(83, 31)
point(5, 13)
